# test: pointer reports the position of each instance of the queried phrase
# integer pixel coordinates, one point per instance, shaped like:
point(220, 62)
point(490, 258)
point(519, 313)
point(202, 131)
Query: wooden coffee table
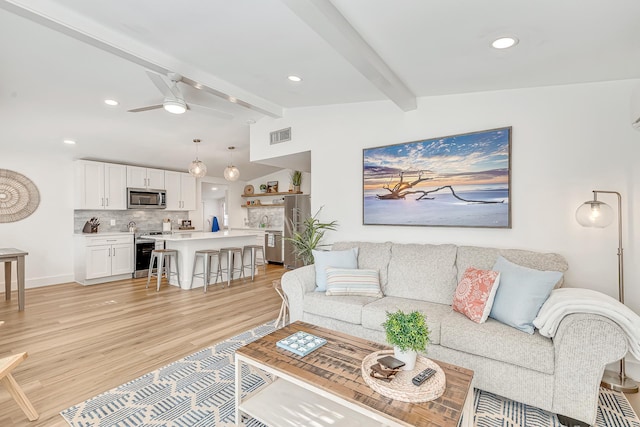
point(325, 387)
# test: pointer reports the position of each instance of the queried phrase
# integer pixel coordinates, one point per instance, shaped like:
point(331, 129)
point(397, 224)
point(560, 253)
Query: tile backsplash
point(146, 220)
point(274, 217)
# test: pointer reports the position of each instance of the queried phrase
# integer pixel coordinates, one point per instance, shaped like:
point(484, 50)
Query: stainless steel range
point(144, 246)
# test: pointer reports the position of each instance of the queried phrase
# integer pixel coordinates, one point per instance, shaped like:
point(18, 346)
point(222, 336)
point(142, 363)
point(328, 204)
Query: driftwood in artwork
point(399, 191)
point(403, 189)
point(424, 195)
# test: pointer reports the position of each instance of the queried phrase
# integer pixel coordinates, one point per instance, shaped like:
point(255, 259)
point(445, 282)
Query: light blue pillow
point(521, 293)
point(336, 259)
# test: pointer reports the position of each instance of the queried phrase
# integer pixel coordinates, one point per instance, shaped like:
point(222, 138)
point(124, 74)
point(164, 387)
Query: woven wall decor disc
point(19, 196)
point(248, 190)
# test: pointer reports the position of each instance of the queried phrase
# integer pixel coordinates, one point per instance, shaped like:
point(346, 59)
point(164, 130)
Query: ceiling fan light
point(231, 173)
point(174, 106)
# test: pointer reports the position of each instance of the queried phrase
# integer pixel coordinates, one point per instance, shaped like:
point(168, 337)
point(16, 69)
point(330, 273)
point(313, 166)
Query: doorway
point(215, 205)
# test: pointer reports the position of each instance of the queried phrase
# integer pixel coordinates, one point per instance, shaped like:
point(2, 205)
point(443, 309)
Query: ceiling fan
point(173, 101)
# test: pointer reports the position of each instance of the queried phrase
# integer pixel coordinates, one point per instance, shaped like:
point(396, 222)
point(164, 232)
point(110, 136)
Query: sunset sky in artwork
point(469, 159)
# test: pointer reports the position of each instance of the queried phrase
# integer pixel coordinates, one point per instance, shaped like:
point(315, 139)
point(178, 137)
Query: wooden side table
point(9, 255)
point(283, 316)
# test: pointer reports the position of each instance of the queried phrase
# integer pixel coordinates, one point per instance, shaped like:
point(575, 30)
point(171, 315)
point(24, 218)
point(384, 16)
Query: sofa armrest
point(584, 344)
point(295, 284)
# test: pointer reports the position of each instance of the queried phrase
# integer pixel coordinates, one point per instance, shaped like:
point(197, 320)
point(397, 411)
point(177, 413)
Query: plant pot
point(408, 357)
point(296, 188)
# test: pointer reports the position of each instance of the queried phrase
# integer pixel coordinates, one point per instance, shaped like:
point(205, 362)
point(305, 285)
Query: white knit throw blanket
point(565, 301)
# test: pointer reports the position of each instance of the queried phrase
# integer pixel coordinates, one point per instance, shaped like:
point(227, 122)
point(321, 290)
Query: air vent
point(282, 135)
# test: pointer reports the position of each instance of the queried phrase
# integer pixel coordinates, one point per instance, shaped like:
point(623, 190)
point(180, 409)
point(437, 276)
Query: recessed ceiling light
point(294, 78)
point(111, 102)
point(504, 42)
point(69, 141)
point(214, 188)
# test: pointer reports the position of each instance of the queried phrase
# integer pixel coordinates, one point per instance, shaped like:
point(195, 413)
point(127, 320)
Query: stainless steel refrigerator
point(296, 209)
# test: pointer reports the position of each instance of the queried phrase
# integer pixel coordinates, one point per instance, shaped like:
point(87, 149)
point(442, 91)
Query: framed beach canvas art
point(454, 181)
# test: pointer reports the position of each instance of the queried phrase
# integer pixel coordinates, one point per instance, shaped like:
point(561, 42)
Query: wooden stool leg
point(21, 399)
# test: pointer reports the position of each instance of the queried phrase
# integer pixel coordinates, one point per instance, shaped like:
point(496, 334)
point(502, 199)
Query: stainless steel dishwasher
point(273, 246)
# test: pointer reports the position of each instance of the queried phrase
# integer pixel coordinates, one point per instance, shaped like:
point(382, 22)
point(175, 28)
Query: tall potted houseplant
point(296, 180)
point(308, 237)
point(408, 334)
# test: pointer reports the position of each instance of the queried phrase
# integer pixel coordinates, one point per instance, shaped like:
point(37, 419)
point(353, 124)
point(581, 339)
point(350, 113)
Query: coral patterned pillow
point(475, 293)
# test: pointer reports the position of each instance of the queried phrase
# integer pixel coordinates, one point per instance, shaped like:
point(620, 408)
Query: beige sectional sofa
point(560, 375)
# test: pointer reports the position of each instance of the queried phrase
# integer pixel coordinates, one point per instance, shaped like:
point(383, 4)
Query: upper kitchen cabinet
point(138, 177)
point(181, 191)
point(100, 185)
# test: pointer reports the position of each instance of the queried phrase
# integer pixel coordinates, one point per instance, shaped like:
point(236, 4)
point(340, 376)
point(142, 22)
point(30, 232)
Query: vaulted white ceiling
point(61, 58)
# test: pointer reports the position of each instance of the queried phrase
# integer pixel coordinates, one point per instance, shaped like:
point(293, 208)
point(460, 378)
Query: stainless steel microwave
point(141, 198)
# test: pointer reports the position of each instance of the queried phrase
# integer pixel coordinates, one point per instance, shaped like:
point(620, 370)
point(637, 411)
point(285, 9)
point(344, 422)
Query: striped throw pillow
point(348, 281)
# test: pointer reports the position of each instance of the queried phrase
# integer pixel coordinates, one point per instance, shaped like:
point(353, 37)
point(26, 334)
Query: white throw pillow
point(338, 259)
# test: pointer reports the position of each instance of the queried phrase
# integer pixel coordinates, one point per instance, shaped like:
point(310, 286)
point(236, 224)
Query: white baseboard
point(41, 281)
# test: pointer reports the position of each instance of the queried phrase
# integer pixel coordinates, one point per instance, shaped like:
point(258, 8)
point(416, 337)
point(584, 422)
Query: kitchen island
point(188, 243)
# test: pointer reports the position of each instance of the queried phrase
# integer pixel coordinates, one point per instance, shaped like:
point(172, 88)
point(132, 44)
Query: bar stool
point(207, 256)
point(231, 268)
point(253, 250)
point(160, 255)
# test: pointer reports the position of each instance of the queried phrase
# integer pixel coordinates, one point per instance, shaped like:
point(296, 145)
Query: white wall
point(567, 141)
point(47, 234)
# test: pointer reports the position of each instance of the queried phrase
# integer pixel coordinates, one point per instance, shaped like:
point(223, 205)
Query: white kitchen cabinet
point(103, 258)
point(100, 185)
point(181, 191)
point(139, 177)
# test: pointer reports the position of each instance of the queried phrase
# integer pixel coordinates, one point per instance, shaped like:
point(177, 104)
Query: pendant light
point(231, 173)
point(197, 168)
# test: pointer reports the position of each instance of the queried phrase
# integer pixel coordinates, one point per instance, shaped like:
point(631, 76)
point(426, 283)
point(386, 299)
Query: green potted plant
point(308, 237)
point(408, 333)
point(263, 188)
point(296, 180)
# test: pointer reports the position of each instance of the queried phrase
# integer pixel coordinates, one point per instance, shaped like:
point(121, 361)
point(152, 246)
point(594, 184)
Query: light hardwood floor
point(84, 340)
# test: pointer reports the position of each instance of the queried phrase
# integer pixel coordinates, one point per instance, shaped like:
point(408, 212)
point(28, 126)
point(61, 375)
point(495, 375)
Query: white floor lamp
point(594, 213)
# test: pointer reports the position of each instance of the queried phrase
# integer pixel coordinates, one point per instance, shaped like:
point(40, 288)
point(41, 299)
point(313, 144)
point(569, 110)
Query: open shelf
point(270, 205)
point(271, 194)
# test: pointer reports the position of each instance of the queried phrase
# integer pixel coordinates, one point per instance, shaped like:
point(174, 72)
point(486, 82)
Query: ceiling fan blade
point(150, 107)
point(212, 111)
point(162, 86)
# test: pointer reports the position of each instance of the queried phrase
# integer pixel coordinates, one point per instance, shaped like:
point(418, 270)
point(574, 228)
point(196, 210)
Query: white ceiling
point(61, 58)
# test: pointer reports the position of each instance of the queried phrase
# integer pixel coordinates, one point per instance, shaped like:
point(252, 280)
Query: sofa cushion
point(498, 341)
point(374, 314)
point(374, 256)
point(475, 293)
point(484, 258)
point(521, 293)
point(345, 308)
point(349, 281)
point(422, 272)
point(339, 259)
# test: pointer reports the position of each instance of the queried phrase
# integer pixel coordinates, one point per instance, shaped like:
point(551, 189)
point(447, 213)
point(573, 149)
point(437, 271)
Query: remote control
point(423, 376)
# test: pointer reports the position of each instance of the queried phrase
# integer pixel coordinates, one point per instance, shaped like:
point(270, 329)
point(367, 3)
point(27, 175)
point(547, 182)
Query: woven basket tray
point(401, 388)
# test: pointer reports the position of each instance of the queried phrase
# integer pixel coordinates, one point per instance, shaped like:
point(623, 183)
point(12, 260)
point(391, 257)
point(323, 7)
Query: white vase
point(408, 357)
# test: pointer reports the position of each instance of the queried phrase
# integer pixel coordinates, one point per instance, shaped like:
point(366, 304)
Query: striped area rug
point(198, 391)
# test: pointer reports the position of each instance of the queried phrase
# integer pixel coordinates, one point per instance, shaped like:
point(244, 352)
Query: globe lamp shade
point(197, 169)
point(593, 213)
point(231, 173)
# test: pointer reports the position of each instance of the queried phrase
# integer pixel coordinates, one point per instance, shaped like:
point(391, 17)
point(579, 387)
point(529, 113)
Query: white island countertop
point(188, 243)
point(202, 235)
